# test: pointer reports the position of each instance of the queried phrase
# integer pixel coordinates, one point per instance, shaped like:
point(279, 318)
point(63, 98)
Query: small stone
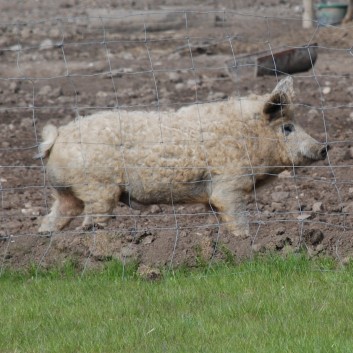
point(56, 92)
point(16, 47)
point(174, 56)
point(267, 214)
point(45, 90)
point(101, 94)
point(179, 86)
point(317, 207)
point(26, 33)
point(319, 248)
point(127, 56)
point(279, 196)
point(326, 90)
point(119, 72)
point(15, 86)
point(298, 9)
point(348, 208)
point(155, 209)
point(192, 83)
point(174, 77)
point(304, 216)
point(30, 211)
point(213, 96)
point(276, 206)
point(148, 240)
point(285, 174)
point(46, 44)
point(350, 191)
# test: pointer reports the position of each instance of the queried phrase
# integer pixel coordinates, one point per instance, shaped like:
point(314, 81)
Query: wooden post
point(308, 14)
point(349, 14)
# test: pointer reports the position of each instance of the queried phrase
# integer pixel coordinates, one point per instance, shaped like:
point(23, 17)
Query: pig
point(212, 153)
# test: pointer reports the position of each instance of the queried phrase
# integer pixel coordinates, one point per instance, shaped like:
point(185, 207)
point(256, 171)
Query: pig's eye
point(287, 129)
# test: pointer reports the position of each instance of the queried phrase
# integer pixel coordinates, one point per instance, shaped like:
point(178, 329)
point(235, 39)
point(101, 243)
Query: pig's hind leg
point(98, 206)
point(66, 206)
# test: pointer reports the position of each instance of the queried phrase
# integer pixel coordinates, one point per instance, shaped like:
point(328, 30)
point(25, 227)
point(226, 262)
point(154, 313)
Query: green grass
point(269, 305)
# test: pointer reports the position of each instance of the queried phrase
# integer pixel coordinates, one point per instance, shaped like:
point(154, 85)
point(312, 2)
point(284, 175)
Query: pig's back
point(144, 148)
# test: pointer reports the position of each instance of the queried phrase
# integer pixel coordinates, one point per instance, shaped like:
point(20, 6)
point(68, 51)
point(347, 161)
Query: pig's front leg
point(229, 201)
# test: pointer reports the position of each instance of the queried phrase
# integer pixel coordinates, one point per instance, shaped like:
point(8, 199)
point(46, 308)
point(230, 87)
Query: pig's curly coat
point(211, 153)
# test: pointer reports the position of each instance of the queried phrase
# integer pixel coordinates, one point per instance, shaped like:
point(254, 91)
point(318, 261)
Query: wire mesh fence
point(163, 80)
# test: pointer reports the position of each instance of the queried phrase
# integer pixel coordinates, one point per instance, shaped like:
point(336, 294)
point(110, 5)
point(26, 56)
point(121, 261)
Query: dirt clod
point(313, 236)
point(149, 273)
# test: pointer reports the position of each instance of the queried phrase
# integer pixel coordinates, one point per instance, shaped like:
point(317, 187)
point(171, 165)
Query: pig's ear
point(280, 99)
point(285, 86)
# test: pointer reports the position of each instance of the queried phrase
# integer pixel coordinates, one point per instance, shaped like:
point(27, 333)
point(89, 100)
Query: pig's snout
point(323, 151)
point(317, 151)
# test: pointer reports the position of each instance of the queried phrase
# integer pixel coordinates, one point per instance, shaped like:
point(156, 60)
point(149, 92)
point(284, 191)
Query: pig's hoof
point(45, 233)
point(45, 230)
point(93, 226)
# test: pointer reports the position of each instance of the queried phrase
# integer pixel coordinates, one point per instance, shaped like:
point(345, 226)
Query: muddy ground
point(64, 59)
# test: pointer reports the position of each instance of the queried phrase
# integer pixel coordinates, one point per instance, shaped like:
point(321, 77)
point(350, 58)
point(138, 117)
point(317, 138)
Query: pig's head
point(294, 145)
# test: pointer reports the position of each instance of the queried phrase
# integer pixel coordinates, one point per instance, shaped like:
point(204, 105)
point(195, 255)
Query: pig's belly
point(167, 185)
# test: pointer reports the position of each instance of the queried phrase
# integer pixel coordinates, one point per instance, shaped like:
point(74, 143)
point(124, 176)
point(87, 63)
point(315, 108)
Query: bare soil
point(61, 60)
